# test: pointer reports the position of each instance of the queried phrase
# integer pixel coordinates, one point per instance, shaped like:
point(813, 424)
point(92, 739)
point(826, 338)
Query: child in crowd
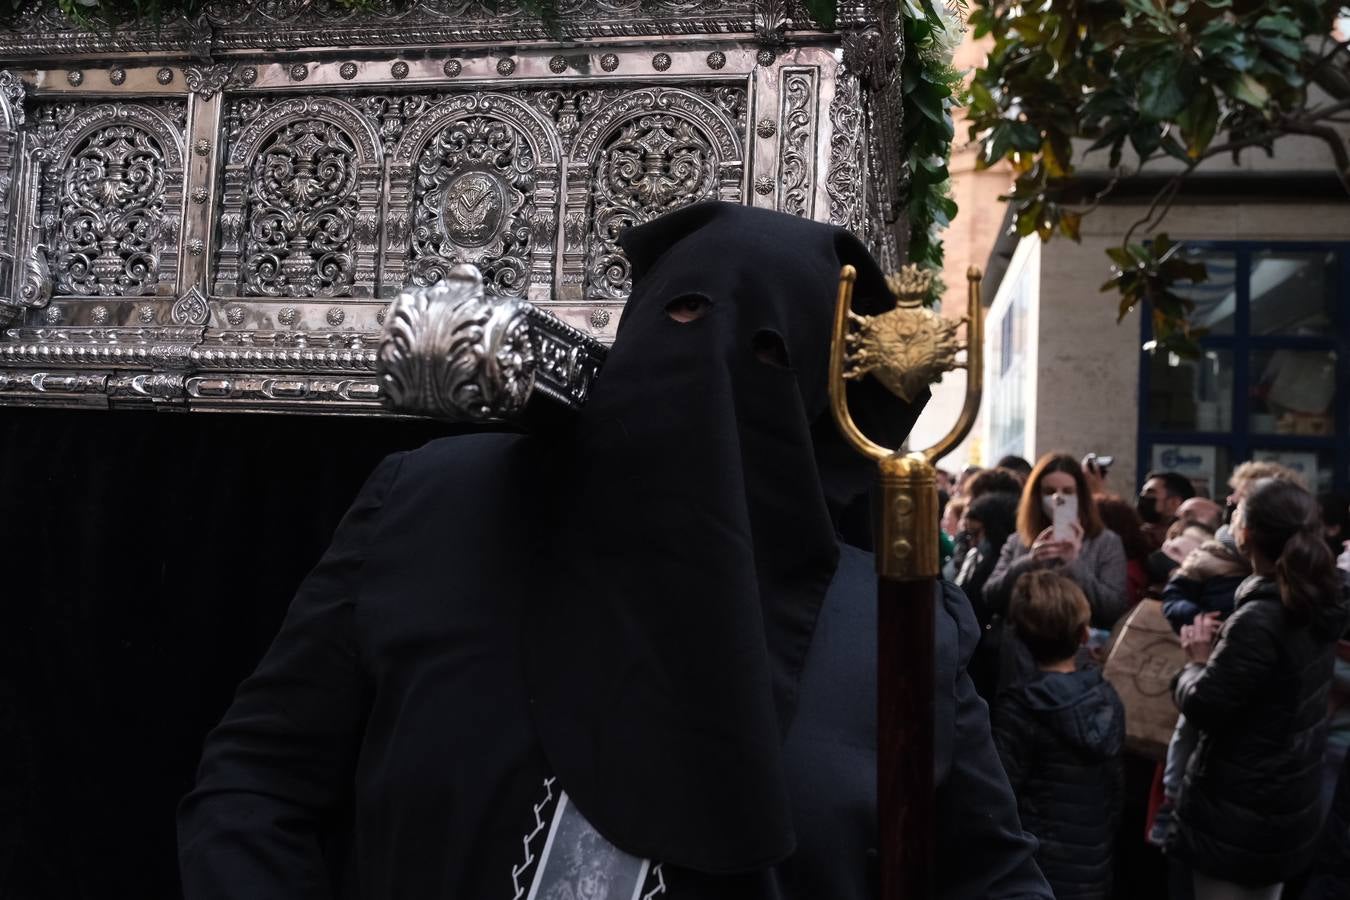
point(1060, 736)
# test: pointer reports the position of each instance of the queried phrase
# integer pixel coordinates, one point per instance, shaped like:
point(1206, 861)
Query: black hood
point(1077, 707)
point(695, 537)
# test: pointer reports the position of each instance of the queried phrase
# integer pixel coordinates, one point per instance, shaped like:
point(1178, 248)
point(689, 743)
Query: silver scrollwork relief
point(796, 153)
point(645, 154)
point(207, 81)
point(190, 309)
point(316, 197)
point(12, 117)
point(474, 180)
point(298, 176)
point(302, 207)
point(844, 177)
point(110, 197)
point(284, 24)
point(12, 92)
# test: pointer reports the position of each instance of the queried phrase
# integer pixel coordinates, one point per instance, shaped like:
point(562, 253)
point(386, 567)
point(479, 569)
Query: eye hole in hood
point(769, 349)
point(688, 308)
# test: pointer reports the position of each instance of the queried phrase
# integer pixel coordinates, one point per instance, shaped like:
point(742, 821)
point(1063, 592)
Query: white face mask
point(1051, 502)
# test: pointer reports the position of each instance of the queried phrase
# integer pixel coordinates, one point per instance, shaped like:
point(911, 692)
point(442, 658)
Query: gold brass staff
point(906, 349)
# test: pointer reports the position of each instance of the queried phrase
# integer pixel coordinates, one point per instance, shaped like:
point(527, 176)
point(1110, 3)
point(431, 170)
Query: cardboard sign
point(1141, 661)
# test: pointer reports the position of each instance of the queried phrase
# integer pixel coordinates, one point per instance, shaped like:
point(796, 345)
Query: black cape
point(384, 747)
point(624, 610)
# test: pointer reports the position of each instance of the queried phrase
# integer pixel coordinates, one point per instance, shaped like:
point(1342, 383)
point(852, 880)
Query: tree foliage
point(932, 89)
point(1185, 81)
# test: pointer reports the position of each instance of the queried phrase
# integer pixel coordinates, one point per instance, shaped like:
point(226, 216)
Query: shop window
point(1271, 380)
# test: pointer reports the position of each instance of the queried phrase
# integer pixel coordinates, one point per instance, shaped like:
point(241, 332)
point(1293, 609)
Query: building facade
point(1270, 380)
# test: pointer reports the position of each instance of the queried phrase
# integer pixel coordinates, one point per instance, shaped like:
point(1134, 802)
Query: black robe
point(384, 747)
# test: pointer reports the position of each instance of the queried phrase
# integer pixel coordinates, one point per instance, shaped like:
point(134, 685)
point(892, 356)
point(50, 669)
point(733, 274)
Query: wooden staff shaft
point(907, 570)
point(905, 793)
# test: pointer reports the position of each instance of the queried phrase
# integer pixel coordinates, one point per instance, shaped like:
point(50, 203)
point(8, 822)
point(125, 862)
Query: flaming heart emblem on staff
point(907, 348)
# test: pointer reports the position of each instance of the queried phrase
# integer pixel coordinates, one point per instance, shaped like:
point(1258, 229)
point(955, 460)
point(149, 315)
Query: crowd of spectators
point(1253, 798)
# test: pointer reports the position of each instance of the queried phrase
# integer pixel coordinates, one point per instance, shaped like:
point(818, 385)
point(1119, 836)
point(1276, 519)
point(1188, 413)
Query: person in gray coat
point(1091, 556)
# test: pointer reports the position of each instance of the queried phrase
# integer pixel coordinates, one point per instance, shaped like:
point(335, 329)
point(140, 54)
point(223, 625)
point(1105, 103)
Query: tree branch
point(1165, 198)
point(1337, 47)
point(1328, 136)
point(1101, 195)
point(1324, 112)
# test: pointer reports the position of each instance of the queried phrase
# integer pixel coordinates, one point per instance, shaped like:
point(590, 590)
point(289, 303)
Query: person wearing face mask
point(1256, 689)
point(1159, 501)
point(1090, 555)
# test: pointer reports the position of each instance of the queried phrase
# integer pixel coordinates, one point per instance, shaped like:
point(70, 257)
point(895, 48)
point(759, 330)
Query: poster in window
point(1194, 461)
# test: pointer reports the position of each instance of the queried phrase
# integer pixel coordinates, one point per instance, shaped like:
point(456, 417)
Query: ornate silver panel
point(645, 154)
point(474, 180)
point(302, 191)
point(229, 233)
point(110, 197)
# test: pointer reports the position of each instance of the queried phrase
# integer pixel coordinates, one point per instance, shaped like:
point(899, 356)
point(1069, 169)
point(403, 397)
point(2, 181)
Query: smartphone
point(1066, 513)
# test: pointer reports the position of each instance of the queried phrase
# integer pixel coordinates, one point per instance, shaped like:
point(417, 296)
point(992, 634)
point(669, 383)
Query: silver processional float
point(228, 213)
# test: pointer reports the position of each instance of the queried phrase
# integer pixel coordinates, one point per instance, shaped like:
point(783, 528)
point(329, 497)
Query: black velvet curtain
point(148, 559)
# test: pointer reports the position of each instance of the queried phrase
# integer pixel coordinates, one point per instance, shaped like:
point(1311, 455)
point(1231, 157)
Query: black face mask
point(1148, 510)
point(1228, 511)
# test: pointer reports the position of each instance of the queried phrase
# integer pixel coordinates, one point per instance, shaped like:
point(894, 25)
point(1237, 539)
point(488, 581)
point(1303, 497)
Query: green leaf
point(927, 101)
point(1279, 25)
point(1070, 225)
point(1025, 137)
point(1128, 301)
point(996, 145)
point(1248, 90)
point(1028, 219)
point(1199, 121)
point(1290, 49)
point(1120, 256)
point(980, 98)
point(1145, 139)
point(1172, 147)
point(1160, 93)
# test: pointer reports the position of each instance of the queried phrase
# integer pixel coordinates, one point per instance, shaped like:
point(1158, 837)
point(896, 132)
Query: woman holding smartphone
point(1058, 526)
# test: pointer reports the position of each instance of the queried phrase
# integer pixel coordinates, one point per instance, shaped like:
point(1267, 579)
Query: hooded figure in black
point(647, 612)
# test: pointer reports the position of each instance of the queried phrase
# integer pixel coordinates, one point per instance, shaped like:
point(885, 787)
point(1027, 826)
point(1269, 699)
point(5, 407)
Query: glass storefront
point(1270, 382)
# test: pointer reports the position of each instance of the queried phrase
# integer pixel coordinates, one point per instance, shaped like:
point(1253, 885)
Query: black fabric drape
point(149, 559)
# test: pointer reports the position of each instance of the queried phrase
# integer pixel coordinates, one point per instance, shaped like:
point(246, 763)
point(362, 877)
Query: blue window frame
point(1228, 416)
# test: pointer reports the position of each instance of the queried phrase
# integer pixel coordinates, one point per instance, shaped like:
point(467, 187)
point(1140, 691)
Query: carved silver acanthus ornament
point(207, 81)
point(452, 352)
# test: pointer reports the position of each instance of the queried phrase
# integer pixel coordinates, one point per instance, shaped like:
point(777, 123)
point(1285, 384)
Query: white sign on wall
point(1195, 461)
point(1300, 462)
